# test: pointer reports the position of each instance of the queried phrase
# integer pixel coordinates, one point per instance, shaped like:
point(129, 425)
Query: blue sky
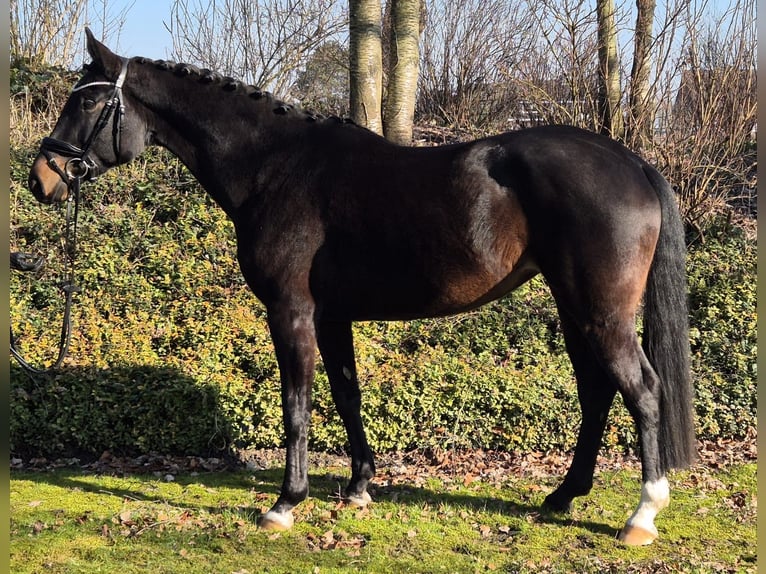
point(144, 32)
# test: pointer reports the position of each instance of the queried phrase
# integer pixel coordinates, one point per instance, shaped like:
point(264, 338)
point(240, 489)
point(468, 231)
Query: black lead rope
point(26, 262)
point(78, 166)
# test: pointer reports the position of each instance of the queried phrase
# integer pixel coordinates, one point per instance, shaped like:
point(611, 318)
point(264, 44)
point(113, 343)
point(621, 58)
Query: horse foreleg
point(337, 348)
point(293, 333)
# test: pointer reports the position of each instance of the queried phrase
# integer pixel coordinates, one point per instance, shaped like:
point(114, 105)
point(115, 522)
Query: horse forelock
point(236, 87)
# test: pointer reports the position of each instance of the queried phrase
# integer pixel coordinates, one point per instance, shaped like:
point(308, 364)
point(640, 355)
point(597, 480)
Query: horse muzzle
point(46, 183)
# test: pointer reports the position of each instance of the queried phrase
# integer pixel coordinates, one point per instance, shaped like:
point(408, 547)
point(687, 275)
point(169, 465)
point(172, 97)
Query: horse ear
point(102, 56)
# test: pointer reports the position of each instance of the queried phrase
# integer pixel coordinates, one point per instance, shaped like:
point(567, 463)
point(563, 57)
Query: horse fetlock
point(560, 500)
point(367, 471)
point(555, 502)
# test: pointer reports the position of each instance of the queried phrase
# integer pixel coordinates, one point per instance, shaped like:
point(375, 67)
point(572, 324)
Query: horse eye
point(88, 105)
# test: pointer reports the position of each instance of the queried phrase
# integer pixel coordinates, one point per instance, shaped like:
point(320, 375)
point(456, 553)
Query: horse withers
point(334, 224)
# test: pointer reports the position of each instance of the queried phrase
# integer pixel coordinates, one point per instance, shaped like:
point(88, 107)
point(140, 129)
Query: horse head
point(98, 128)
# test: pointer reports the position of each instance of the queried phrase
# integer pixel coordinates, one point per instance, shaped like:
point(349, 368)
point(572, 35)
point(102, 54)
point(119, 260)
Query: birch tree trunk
point(640, 112)
point(403, 72)
point(609, 94)
point(366, 67)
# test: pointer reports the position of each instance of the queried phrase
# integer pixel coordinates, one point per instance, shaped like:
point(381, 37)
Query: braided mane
point(234, 86)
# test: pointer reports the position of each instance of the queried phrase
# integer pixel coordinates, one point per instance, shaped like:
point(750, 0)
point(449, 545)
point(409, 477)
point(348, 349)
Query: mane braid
point(234, 86)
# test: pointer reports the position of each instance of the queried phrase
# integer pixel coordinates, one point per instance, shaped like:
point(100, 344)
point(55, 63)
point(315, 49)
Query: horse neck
point(221, 131)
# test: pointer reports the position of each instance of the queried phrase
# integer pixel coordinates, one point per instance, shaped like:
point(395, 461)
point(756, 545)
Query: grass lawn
point(74, 521)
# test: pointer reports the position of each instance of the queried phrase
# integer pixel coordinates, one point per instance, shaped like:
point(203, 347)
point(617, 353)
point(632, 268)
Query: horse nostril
point(36, 188)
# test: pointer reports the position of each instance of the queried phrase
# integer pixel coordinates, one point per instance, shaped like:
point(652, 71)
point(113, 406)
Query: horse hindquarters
point(597, 281)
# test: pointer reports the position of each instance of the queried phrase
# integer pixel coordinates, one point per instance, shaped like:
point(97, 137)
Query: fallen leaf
point(327, 540)
point(125, 517)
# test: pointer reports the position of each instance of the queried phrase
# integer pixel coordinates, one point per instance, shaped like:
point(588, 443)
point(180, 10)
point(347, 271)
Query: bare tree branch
point(264, 42)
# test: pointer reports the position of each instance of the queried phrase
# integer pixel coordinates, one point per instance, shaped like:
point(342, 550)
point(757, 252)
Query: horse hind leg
point(595, 392)
point(643, 403)
point(617, 346)
point(607, 357)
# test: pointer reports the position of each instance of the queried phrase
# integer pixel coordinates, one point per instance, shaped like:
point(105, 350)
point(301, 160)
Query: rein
point(26, 262)
point(76, 169)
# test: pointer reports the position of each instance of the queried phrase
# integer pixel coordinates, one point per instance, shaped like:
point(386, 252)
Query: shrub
point(722, 287)
point(170, 351)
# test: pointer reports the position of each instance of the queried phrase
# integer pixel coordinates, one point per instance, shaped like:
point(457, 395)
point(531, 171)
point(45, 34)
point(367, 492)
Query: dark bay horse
point(334, 224)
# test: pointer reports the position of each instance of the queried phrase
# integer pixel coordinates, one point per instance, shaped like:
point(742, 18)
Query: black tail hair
point(666, 332)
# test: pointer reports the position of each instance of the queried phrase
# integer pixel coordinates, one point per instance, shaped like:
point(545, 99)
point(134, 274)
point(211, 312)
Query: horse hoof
point(276, 521)
point(550, 504)
point(636, 536)
point(358, 500)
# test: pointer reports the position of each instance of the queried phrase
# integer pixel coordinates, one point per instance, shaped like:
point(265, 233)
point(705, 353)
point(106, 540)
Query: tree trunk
point(403, 74)
point(366, 67)
point(610, 110)
point(640, 113)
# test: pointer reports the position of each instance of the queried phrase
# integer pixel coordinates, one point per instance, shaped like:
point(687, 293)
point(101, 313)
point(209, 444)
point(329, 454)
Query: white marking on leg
point(277, 520)
point(654, 497)
point(347, 373)
point(359, 501)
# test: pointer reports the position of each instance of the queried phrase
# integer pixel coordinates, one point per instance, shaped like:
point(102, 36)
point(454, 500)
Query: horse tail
point(666, 332)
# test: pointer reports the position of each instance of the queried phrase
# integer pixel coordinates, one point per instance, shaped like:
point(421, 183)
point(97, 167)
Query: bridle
point(79, 163)
point(78, 166)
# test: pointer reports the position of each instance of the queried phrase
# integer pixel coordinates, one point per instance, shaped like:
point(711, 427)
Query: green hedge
point(171, 352)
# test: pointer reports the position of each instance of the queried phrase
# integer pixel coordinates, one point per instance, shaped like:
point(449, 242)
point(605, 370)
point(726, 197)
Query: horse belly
point(470, 292)
point(435, 290)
